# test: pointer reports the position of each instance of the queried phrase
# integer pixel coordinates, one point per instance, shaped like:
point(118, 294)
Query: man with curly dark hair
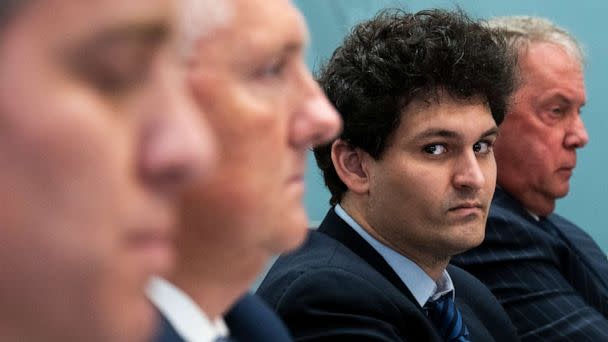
point(411, 177)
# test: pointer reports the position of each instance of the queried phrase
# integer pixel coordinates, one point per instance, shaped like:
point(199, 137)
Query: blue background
point(330, 20)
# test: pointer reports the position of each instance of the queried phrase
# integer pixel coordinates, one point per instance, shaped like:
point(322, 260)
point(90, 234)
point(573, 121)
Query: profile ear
point(349, 163)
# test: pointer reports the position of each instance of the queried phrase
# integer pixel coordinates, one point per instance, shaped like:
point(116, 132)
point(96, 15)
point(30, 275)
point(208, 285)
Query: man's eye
point(557, 111)
point(116, 67)
point(482, 147)
point(271, 70)
point(111, 80)
point(435, 149)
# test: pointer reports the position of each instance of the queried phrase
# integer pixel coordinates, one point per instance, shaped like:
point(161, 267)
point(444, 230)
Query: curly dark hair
point(396, 57)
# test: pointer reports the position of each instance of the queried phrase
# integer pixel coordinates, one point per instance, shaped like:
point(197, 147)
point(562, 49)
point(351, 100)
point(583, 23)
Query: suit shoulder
point(562, 221)
point(326, 269)
point(335, 301)
point(333, 284)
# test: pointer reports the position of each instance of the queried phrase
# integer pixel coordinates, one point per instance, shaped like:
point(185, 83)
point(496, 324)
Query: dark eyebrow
point(293, 47)
point(436, 133)
point(290, 49)
point(490, 132)
point(444, 133)
point(140, 33)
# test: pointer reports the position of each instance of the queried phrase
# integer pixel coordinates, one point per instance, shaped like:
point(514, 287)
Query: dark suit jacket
point(249, 320)
point(338, 288)
point(550, 276)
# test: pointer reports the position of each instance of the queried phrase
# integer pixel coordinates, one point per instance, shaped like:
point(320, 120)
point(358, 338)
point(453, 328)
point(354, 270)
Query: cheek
point(518, 146)
point(413, 189)
point(489, 170)
point(63, 171)
point(545, 148)
point(254, 152)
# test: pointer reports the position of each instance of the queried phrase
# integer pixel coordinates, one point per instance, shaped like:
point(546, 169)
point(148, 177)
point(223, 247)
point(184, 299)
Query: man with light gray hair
point(247, 73)
point(550, 276)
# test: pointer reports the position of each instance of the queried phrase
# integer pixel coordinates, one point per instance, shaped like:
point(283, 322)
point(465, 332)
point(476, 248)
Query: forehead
point(259, 25)
point(465, 118)
point(78, 18)
point(552, 55)
point(551, 63)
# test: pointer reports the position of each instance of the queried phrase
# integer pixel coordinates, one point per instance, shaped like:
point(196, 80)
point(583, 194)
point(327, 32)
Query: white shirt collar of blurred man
point(186, 317)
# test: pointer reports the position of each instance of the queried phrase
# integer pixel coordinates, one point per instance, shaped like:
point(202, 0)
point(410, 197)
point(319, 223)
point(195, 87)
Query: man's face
point(536, 148)
point(430, 191)
point(96, 138)
point(250, 77)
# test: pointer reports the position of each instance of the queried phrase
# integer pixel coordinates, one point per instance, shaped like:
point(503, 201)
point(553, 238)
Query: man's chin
point(289, 236)
point(563, 193)
point(468, 240)
point(137, 322)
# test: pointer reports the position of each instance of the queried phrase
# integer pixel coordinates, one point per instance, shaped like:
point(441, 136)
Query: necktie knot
point(447, 319)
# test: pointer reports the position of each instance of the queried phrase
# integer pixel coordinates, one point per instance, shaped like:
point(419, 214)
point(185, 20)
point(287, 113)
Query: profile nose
point(316, 121)
point(178, 146)
point(468, 173)
point(576, 136)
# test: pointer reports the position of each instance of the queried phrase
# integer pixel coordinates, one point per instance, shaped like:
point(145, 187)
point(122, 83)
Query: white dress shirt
point(186, 317)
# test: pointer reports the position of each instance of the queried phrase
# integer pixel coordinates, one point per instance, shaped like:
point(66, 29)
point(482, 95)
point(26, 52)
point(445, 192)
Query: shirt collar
point(186, 317)
point(534, 216)
point(415, 279)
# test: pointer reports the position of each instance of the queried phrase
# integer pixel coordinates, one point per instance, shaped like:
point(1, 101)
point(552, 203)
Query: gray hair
point(197, 18)
point(521, 31)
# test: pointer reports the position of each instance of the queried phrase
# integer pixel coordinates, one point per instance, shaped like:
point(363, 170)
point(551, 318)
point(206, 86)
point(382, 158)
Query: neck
point(431, 264)
point(537, 206)
point(215, 279)
point(434, 268)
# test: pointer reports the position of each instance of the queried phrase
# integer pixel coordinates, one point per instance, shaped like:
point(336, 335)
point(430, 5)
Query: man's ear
point(350, 166)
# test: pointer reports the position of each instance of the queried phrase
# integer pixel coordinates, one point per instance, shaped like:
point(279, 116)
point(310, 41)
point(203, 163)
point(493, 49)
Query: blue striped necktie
point(447, 319)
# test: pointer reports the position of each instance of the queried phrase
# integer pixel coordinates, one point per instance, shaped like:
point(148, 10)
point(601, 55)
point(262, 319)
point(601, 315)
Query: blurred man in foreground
point(247, 72)
point(549, 275)
point(97, 138)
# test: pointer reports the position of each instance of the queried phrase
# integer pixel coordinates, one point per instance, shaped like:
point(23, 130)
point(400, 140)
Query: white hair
point(197, 18)
point(521, 31)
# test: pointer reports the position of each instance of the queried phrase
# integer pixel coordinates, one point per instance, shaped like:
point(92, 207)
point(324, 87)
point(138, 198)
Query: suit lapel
point(335, 227)
point(250, 319)
point(166, 332)
point(579, 258)
point(585, 265)
point(584, 247)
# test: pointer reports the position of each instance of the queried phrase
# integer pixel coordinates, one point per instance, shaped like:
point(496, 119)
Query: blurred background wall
point(587, 203)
